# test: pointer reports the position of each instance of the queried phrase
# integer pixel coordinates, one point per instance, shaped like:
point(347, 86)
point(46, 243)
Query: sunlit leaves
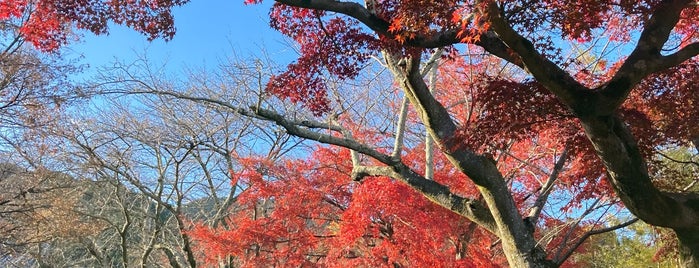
point(668, 96)
point(329, 45)
point(309, 212)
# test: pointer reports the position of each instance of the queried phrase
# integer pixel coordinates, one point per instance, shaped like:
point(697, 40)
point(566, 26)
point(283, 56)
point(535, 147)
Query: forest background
point(203, 150)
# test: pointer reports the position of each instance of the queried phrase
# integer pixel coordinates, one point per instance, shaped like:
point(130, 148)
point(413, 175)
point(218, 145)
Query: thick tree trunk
point(534, 259)
point(689, 247)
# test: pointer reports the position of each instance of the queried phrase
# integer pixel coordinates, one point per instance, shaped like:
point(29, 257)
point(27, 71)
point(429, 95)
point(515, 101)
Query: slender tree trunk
point(689, 247)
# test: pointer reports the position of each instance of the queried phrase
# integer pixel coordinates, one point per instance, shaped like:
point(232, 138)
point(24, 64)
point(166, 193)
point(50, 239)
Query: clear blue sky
point(207, 32)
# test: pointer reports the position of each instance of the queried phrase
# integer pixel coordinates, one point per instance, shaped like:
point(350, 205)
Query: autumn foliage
point(333, 43)
point(48, 24)
point(545, 115)
point(306, 212)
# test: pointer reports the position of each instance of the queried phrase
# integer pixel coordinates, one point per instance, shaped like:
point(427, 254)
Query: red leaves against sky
point(670, 101)
point(329, 46)
point(47, 23)
point(418, 17)
point(332, 44)
point(577, 19)
point(499, 114)
point(338, 46)
point(663, 115)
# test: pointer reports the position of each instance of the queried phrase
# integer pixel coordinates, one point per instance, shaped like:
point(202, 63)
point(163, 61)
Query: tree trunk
point(689, 247)
point(534, 259)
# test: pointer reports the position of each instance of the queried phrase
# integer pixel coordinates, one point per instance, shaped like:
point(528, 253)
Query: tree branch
point(400, 129)
point(395, 169)
point(295, 128)
point(438, 193)
point(472, 209)
point(587, 235)
point(380, 26)
point(431, 65)
point(535, 210)
point(628, 173)
point(489, 40)
point(545, 71)
point(614, 143)
point(645, 59)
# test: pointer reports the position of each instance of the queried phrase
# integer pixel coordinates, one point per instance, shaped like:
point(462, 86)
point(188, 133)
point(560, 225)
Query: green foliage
point(635, 246)
point(678, 170)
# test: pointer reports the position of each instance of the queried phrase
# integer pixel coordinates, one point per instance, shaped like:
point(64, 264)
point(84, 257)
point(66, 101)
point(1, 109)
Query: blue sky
point(207, 32)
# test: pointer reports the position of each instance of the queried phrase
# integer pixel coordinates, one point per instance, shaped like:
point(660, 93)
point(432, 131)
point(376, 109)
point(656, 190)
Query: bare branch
point(535, 210)
point(295, 128)
point(677, 160)
point(434, 191)
point(400, 129)
point(587, 235)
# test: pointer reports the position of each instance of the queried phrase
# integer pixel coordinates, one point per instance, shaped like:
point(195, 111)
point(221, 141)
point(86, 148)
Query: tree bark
point(628, 174)
point(689, 247)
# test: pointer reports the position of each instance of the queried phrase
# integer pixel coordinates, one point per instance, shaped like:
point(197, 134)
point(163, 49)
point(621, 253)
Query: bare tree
point(156, 165)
